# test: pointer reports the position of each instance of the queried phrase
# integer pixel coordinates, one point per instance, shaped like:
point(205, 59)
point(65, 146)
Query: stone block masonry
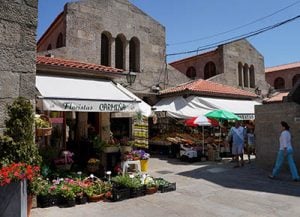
point(18, 22)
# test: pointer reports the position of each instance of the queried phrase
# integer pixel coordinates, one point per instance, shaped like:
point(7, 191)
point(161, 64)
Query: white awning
point(142, 107)
point(85, 95)
point(194, 106)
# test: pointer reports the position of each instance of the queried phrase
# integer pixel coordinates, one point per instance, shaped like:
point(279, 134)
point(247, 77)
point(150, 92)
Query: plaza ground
point(203, 189)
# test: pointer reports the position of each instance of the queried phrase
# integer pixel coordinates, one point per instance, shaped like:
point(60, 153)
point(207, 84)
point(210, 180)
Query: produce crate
point(137, 192)
point(119, 194)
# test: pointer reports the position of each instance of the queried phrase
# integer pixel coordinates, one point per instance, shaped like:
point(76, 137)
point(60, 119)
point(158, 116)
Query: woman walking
point(285, 150)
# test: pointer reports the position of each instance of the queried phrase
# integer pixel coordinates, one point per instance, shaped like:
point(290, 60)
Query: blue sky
point(195, 19)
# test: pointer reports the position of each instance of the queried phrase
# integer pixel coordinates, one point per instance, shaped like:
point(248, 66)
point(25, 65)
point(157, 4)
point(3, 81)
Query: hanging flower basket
point(43, 126)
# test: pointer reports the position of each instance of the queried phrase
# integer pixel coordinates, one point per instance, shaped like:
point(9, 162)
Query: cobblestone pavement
point(203, 189)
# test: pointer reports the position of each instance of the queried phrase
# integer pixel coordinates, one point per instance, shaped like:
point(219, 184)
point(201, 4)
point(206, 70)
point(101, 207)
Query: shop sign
point(88, 106)
point(246, 116)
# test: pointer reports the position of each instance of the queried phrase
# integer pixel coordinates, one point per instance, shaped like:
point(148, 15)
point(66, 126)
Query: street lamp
point(130, 77)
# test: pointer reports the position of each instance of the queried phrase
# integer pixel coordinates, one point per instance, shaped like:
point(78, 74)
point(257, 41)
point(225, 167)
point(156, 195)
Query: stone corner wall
point(18, 22)
point(267, 131)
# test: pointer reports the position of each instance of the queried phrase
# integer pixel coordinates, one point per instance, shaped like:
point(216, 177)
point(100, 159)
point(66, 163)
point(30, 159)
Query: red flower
point(17, 172)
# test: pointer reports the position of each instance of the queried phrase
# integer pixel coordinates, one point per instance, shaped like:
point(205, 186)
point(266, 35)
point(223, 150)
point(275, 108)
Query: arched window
point(134, 55)
point(120, 52)
point(60, 41)
point(245, 74)
point(252, 77)
point(49, 47)
point(279, 83)
point(209, 70)
point(240, 75)
point(191, 72)
point(105, 49)
point(295, 79)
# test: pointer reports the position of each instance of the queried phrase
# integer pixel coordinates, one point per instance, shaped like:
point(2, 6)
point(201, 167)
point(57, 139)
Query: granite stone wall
point(267, 131)
point(85, 21)
point(287, 75)
point(18, 22)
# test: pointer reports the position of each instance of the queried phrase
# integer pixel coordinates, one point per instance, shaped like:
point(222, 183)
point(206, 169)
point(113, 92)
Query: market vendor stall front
point(83, 95)
point(193, 106)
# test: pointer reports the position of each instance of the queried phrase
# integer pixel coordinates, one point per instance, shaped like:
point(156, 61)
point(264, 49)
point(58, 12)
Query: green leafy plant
point(19, 127)
point(41, 123)
point(127, 181)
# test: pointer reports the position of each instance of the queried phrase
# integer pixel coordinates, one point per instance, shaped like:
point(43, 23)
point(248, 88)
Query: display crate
point(137, 192)
point(119, 194)
point(167, 188)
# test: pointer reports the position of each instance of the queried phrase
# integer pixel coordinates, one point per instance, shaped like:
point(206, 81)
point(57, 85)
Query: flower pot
point(151, 190)
point(43, 131)
point(13, 198)
point(92, 168)
point(144, 165)
point(29, 204)
point(96, 198)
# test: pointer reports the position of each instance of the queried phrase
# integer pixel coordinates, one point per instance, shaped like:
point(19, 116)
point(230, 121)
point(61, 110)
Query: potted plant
point(65, 161)
point(93, 165)
point(125, 145)
point(18, 145)
point(151, 185)
point(68, 195)
point(43, 125)
point(133, 183)
point(95, 191)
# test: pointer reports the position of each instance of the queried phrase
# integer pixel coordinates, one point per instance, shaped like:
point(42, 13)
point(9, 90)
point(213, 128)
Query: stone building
point(18, 22)
point(113, 33)
point(283, 77)
point(237, 64)
point(267, 129)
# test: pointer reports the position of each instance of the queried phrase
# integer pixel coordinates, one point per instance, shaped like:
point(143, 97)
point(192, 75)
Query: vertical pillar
point(104, 129)
point(82, 127)
point(113, 52)
point(126, 55)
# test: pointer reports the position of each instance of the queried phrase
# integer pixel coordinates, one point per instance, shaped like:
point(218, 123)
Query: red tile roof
point(205, 87)
point(51, 61)
point(282, 67)
point(277, 98)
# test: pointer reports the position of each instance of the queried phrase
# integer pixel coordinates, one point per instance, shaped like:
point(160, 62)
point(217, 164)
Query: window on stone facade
point(191, 72)
point(245, 74)
point(252, 77)
point(295, 79)
point(209, 70)
point(120, 52)
point(134, 55)
point(240, 75)
point(60, 41)
point(279, 83)
point(105, 49)
point(49, 47)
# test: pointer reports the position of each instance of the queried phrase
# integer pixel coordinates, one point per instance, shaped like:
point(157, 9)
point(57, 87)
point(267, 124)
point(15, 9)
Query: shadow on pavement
point(248, 177)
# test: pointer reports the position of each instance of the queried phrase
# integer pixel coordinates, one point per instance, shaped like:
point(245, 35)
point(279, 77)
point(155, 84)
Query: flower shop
point(61, 181)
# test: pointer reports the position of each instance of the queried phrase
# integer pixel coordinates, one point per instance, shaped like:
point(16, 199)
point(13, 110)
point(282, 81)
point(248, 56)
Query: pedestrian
point(237, 135)
point(250, 147)
point(285, 151)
